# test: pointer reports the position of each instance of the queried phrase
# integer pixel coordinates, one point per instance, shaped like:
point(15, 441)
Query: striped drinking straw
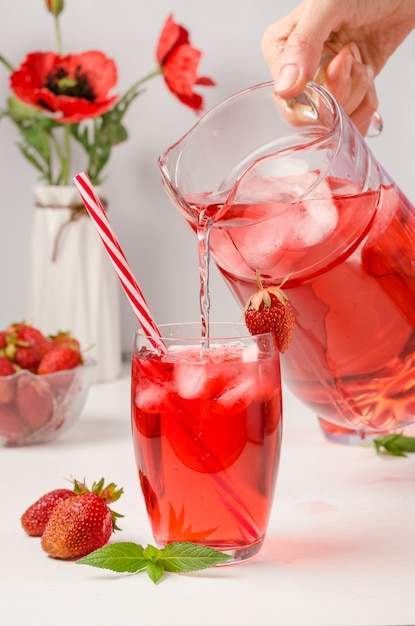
point(134, 294)
point(96, 211)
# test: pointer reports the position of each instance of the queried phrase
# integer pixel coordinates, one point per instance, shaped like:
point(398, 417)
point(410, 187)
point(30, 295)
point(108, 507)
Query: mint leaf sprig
point(179, 556)
point(396, 444)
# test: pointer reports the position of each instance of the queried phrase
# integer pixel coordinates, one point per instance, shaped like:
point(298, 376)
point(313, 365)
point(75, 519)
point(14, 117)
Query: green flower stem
point(6, 63)
point(47, 171)
point(140, 82)
point(64, 157)
point(67, 160)
point(58, 35)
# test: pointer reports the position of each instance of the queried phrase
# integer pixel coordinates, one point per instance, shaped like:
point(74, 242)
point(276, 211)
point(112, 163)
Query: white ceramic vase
point(72, 285)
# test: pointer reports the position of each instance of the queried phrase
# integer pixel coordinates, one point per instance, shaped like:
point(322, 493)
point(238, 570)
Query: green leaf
point(152, 553)
point(19, 111)
point(175, 557)
point(190, 557)
point(155, 570)
point(98, 136)
point(407, 443)
point(118, 557)
point(395, 444)
point(36, 135)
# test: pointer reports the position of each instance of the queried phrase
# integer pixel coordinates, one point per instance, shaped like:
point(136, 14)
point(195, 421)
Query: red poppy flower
point(75, 86)
point(179, 62)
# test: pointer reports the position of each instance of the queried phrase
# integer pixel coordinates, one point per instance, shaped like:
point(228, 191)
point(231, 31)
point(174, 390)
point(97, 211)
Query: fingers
point(352, 84)
point(362, 116)
point(292, 47)
point(292, 62)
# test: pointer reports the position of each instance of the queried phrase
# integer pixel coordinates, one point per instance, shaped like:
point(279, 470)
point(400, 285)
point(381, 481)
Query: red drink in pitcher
point(207, 427)
point(347, 264)
point(289, 188)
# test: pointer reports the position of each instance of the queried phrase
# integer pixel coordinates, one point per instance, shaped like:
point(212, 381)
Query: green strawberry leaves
point(175, 557)
point(395, 444)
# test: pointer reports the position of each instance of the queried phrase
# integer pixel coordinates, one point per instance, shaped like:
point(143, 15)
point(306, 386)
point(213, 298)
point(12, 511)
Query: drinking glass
point(206, 426)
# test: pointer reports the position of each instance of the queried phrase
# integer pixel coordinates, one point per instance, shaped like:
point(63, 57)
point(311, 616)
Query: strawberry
point(35, 338)
point(6, 367)
point(11, 425)
point(35, 518)
point(65, 340)
point(58, 359)
point(34, 400)
point(27, 357)
point(267, 310)
point(3, 339)
point(6, 385)
point(12, 330)
point(26, 346)
point(80, 525)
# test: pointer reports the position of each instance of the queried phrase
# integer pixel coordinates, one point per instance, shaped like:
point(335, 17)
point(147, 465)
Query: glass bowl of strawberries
point(44, 383)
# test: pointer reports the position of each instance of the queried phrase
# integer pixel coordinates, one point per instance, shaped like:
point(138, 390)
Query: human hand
point(342, 44)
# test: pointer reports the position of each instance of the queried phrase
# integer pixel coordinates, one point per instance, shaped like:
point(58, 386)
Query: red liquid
point(352, 286)
point(207, 437)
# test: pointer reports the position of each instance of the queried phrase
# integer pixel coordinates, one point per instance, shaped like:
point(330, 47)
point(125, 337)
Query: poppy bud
point(55, 6)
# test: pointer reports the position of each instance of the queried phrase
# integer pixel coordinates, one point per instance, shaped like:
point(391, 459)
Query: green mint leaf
point(155, 570)
point(407, 443)
point(175, 557)
point(152, 553)
point(394, 450)
point(190, 557)
point(118, 557)
point(395, 444)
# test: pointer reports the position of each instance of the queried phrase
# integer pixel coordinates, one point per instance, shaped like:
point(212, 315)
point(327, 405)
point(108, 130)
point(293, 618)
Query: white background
point(159, 246)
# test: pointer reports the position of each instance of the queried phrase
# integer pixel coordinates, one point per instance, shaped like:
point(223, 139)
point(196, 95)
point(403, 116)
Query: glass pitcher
point(291, 189)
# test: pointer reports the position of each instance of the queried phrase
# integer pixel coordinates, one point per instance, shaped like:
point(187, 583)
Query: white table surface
point(340, 549)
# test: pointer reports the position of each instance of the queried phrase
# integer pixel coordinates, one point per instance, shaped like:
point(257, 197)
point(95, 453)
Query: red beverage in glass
point(207, 424)
point(347, 264)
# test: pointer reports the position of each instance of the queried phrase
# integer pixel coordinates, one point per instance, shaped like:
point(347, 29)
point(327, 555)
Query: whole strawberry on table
point(39, 383)
point(77, 524)
point(73, 523)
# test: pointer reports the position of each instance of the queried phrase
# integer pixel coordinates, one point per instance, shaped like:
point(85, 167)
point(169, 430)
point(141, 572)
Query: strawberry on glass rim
point(269, 310)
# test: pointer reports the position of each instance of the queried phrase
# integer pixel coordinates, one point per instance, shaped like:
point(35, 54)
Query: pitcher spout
point(252, 135)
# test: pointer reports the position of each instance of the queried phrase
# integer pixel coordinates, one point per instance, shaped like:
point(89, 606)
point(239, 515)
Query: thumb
point(297, 68)
point(295, 59)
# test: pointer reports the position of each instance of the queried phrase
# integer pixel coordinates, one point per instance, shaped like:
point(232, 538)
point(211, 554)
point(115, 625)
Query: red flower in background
point(179, 62)
point(61, 99)
point(76, 86)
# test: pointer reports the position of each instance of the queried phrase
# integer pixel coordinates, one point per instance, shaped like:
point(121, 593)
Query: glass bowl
point(37, 408)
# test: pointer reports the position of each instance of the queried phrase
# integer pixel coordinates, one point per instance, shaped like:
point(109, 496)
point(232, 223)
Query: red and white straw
point(99, 217)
